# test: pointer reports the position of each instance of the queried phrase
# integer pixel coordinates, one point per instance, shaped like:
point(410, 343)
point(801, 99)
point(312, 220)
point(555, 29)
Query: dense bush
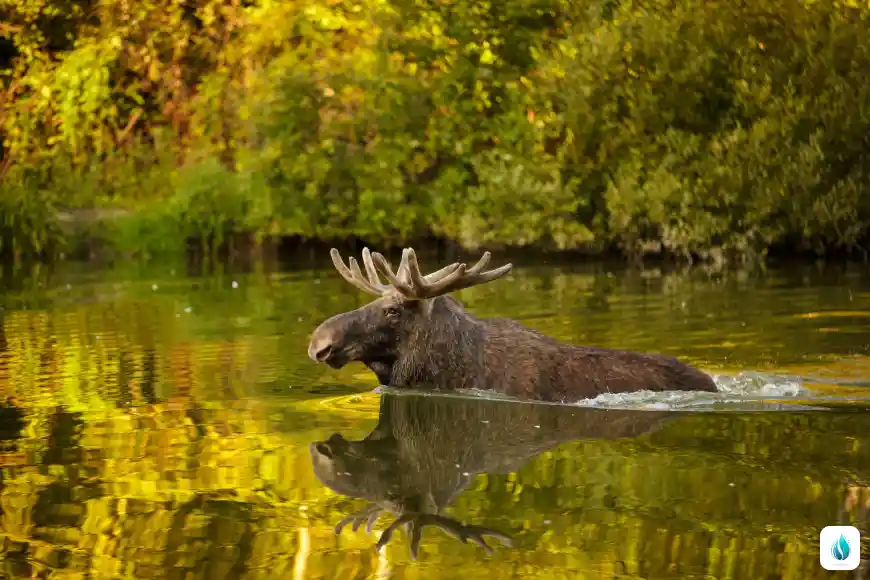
point(682, 126)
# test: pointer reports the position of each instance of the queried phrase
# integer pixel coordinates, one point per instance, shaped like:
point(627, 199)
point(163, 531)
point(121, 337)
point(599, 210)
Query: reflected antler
point(368, 515)
point(415, 522)
point(413, 285)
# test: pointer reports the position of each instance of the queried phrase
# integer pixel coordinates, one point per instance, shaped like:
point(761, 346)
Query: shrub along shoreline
point(702, 129)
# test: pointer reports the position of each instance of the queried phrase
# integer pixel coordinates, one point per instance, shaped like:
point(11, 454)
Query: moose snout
point(328, 344)
point(334, 342)
point(320, 347)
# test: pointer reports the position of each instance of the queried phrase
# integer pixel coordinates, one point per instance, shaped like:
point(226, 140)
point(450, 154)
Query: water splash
point(746, 390)
point(750, 384)
point(841, 549)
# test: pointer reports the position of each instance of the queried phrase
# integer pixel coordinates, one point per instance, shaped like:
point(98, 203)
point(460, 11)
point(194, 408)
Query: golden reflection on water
point(164, 433)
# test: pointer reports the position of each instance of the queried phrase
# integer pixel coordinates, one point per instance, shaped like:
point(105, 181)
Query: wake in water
point(745, 391)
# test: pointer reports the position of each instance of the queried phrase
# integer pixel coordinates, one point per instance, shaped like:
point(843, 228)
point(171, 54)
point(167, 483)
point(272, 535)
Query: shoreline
point(87, 234)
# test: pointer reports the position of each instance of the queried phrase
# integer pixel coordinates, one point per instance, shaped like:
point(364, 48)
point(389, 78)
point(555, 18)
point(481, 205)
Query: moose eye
point(393, 312)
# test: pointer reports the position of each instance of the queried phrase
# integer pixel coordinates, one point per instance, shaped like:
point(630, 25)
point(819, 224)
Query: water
point(162, 425)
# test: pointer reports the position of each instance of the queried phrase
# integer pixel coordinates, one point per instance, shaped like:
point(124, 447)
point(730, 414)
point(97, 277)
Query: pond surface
point(164, 425)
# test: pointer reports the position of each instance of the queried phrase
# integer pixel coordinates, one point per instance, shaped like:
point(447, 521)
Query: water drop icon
point(840, 549)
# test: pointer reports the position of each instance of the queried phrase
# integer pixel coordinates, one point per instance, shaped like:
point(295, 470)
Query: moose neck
point(446, 353)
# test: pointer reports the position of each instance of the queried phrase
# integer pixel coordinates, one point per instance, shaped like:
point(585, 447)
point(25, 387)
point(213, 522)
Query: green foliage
point(211, 201)
point(28, 225)
point(687, 127)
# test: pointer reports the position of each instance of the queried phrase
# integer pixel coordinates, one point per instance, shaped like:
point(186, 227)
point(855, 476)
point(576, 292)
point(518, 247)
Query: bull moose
point(425, 450)
point(416, 335)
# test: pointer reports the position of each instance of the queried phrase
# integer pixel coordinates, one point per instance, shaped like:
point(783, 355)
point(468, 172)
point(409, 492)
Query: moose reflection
point(425, 450)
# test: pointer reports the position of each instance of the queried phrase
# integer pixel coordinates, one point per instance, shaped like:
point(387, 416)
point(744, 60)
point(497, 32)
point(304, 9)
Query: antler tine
point(357, 273)
point(388, 532)
point(370, 268)
point(476, 534)
point(368, 515)
point(398, 283)
point(445, 284)
point(473, 279)
point(420, 281)
point(353, 275)
point(402, 271)
point(481, 264)
point(415, 522)
point(438, 274)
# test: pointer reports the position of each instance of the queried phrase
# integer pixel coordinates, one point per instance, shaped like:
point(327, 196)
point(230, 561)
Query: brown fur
point(435, 343)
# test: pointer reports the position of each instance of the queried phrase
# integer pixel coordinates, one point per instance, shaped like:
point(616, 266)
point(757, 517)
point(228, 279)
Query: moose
point(425, 450)
point(415, 335)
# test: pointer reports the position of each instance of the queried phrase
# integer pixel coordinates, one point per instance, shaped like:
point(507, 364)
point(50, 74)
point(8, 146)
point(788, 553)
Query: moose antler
point(415, 522)
point(413, 285)
point(408, 280)
point(368, 515)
